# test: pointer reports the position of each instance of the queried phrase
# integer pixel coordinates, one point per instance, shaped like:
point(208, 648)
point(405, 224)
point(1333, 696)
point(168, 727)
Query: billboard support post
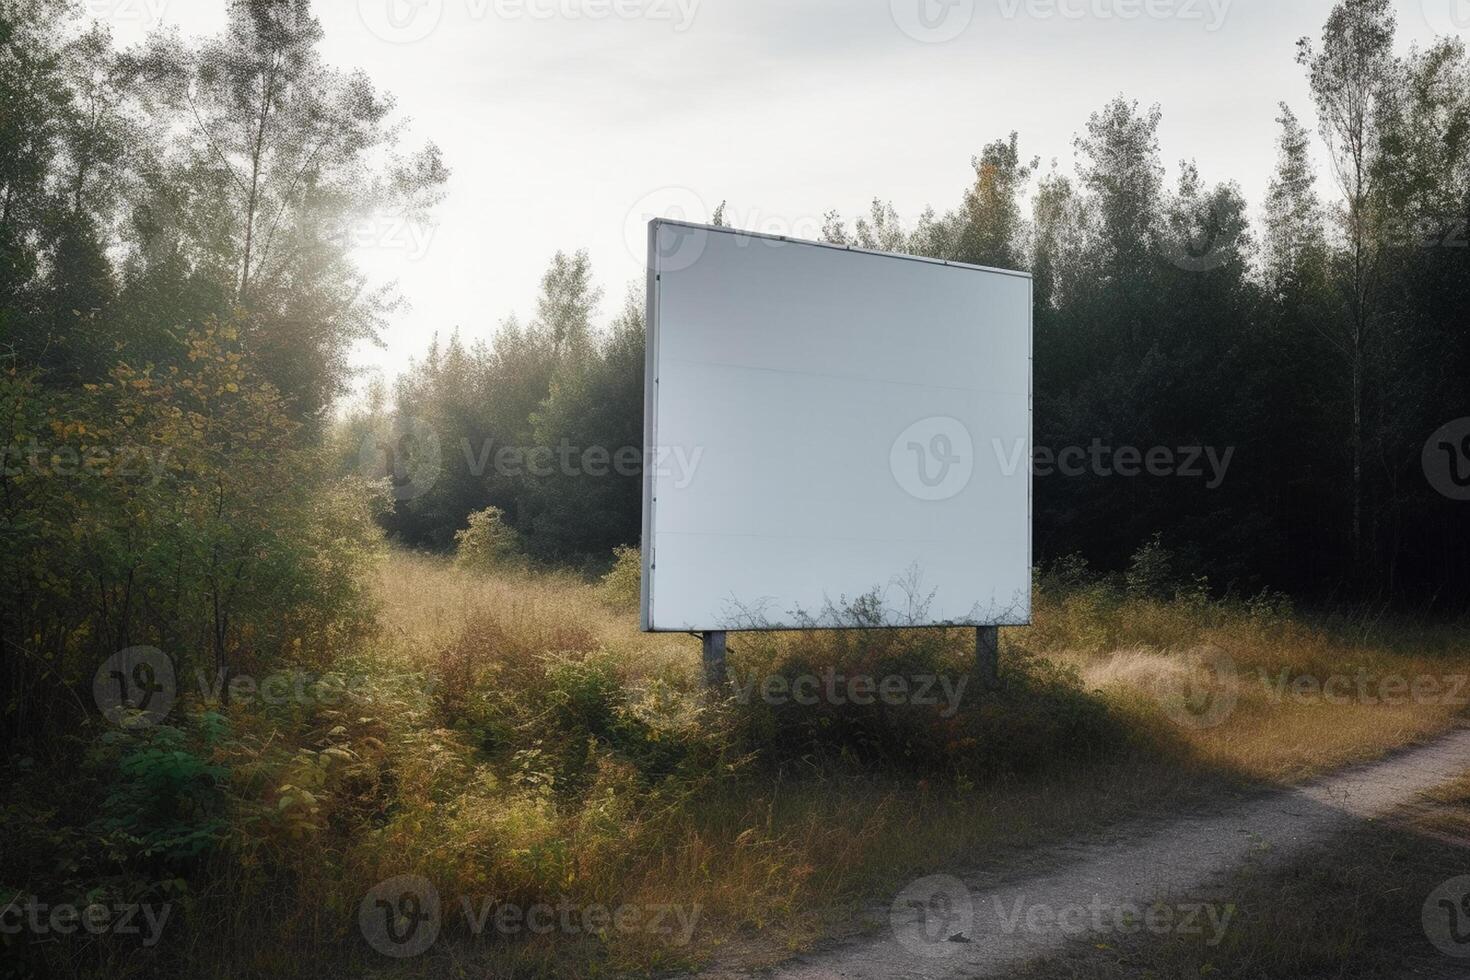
point(714, 657)
point(987, 656)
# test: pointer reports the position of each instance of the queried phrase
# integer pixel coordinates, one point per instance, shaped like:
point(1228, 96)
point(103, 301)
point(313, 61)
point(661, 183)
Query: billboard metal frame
point(714, 640)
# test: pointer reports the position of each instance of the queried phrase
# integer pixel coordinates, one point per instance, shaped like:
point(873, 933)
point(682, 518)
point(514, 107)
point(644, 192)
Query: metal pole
point(987, 656)
point(714, 658)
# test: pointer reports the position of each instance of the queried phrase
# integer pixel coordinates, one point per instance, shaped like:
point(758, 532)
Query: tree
point(568, 300)
point(592, 422)
point(1120, 166)
point(33, 98)
point(276, 162)
point(1295, 235)
point(1352, 78)
point(993, 226)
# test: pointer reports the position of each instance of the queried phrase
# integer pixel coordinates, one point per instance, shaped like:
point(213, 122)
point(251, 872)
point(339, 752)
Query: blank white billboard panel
point(824, 422)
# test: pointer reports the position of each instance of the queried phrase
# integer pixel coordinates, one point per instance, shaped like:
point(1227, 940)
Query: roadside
point(508, 742)
point(1122, 714)
point(1380, 898)
point(979, 925)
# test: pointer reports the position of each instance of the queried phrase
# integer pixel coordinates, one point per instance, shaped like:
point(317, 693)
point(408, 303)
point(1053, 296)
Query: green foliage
point(621, 585)
point(487, 543)
point(584, 691)
point(1151, 570)
point(1165, 323)
point(956, 732)
point(188, 499)
point(177, 303)
point(1068, 573)
point(165, 802)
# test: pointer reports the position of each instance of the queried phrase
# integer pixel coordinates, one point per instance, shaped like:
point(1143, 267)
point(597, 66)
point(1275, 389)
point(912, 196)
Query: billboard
point(834, 437)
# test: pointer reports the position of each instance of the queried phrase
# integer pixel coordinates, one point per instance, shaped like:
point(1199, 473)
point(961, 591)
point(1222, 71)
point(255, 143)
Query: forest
point(1306, 358)
point(192, 466)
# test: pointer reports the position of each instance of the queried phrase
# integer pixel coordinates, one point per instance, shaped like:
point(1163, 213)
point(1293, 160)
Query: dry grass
point(779, 858)
point(561, 755)
point(1137, 652)
point(426, 603)
point(1283, 727)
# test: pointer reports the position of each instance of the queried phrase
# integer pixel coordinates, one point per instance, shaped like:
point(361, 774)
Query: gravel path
point(980, 926)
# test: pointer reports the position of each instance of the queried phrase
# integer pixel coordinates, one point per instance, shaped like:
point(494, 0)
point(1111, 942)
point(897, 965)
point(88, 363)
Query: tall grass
point(514, 738)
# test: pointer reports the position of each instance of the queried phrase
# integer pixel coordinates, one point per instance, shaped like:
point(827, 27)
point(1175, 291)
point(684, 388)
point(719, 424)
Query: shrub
point(164, 805)
point(620, 586)
point(198, 511)
point(1069, 573)
point(1151, 570)
point(488, 542)
point(955, 731)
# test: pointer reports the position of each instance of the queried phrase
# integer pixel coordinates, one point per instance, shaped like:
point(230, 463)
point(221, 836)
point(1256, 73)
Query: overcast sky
point(568, 123)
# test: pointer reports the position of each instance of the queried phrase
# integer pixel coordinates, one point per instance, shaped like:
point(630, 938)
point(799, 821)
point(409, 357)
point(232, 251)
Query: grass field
point(513, 741)
point(1097, 725)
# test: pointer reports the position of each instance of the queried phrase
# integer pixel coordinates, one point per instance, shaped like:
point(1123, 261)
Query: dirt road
point(974, 925)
